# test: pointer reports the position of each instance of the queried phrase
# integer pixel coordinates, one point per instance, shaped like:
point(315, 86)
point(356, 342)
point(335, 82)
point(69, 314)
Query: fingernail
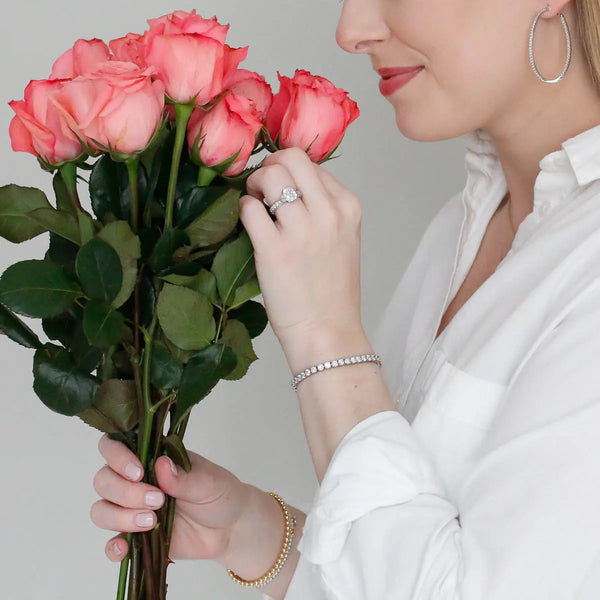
point(144, 519)
point(133, 472)
point(116, 548)
point(173, 467)
point(154, 499)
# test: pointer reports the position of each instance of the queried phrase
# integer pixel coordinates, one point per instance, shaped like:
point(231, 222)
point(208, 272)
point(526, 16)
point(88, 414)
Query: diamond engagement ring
point(289, 194)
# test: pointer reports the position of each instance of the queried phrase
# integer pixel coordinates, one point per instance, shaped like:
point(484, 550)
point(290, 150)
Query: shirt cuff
point(378, 463)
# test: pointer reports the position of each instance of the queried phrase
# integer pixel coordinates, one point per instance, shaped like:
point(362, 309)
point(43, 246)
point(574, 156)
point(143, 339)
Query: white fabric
point(485, 484)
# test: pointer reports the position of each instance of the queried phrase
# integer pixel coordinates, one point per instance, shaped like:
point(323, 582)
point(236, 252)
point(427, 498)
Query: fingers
point(112, 487)
point(116, 548)
point(107, 515)
point(205, 483)
point(120, 458)
point(301, 173)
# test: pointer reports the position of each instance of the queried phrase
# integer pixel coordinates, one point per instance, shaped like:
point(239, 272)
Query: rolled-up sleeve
point(526, 521)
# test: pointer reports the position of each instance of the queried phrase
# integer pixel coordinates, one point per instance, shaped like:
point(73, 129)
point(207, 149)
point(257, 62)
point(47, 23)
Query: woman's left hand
point(308, 259)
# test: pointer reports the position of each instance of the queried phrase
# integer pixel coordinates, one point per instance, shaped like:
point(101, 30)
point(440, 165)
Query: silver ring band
point(289, 194)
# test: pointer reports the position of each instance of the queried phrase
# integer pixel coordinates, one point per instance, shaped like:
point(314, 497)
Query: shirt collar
point(577, 163)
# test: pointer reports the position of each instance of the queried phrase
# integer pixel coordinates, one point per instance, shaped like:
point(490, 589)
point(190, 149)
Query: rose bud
point(252, 86)
point(215, 136)
point(82, 59)
point(40, 128)
point(309, 112)
point(189, 65)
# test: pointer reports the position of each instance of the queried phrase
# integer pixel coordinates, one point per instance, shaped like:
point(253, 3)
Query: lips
point(386, 73)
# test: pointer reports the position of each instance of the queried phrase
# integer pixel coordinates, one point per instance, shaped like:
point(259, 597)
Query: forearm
point(257, 541)
point(333, 401)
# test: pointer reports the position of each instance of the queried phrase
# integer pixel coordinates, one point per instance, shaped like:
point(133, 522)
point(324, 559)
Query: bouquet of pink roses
point(147, 298)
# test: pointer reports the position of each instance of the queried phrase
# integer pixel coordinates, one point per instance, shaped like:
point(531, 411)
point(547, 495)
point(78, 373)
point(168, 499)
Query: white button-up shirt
point(485, 483)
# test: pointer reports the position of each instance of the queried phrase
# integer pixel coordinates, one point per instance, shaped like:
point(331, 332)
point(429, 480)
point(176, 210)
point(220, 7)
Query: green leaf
point(236, 336)
point(173, 447)
point(63, 253)
point(58, 221)
point(15, 203)
point(17, 330)
point(86, 357)
point(149, 236)
point(187, 268)
point(127, 245)
point(103, 326)
point(99, 269)
point(60, 328)
point(246, 292)
point(217, 222)
point(59, 384)
point(87, 228)
point(162, 255)
point(165, 369)
point(194, 202)
point(109, 192)
point(253, 315)
point(204, 282)
point(181, 355)
point(37, 288)
point(186, 317)
point(115, 407)
point(233, 266)
point(202, 372)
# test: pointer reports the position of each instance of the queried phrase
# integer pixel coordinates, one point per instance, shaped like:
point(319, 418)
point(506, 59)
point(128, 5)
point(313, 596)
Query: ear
point(556, 7)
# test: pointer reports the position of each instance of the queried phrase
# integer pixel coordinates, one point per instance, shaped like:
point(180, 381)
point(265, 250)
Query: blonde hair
point(588, 18)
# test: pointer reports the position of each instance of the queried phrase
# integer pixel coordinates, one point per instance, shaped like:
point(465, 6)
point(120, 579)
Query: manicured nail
point(173, 467)
point(133, 472)
point(154, 499)
point(115, 548)
point(144, 519)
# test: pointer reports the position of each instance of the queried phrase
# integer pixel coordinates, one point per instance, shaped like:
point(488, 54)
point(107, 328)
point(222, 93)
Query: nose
point(360, 26)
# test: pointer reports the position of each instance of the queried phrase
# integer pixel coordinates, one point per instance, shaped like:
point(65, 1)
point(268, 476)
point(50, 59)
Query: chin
point(424, 130)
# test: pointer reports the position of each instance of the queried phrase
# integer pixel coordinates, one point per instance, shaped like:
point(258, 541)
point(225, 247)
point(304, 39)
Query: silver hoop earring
point(532, 61)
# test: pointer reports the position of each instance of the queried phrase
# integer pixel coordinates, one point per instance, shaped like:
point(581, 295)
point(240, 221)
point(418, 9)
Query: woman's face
point(475, 57)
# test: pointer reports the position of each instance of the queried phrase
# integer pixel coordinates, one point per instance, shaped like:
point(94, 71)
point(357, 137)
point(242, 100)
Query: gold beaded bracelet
point(290, 525)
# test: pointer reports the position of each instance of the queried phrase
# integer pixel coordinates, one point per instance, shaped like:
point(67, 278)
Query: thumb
point(204, 483)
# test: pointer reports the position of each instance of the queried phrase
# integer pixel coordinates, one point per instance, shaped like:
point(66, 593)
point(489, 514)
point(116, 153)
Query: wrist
point(325, 344)
point(257, 536)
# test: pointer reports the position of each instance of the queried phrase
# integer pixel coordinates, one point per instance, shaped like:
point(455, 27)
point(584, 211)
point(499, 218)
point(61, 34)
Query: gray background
point(49, 548)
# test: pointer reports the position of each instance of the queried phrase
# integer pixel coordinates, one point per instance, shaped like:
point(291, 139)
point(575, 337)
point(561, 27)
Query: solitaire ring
point(289, 194)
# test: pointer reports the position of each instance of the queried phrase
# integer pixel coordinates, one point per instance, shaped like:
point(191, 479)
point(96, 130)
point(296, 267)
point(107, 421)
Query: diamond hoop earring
point(532, 61)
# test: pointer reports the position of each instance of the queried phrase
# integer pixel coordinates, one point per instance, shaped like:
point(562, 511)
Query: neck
point(536, 125)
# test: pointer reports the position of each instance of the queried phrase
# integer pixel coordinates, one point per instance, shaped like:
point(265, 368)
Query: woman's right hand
point(209, 502)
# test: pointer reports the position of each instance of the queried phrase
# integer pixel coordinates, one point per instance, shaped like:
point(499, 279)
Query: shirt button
point(544, 207)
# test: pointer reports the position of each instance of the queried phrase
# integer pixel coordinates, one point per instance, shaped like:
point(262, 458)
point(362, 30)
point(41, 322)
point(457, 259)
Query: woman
point(469, 466)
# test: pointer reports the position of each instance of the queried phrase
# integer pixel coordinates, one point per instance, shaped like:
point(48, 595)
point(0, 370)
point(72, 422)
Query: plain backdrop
point(49, 548)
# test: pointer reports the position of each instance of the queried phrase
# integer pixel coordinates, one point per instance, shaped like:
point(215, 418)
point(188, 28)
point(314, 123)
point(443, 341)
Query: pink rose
point(189, 65)
point(188, 22)
point(231, 125)
point(130, 48)
point(118, 107)
point(40, 128)
point(252, 86)
point(83, 58)
point(310, 112)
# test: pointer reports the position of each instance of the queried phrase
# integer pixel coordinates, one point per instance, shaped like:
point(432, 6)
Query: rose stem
point(134, 580)
point(68, 172)
point(182, 114)
point(132, 170)
point(149, 583)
